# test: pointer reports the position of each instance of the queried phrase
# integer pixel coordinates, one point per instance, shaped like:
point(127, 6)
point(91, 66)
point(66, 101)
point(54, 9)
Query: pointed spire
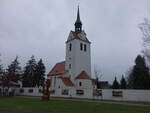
point(78, 23)
point(78, 16)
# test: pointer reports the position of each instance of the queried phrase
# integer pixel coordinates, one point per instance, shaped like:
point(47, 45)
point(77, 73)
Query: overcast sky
point(41, 27)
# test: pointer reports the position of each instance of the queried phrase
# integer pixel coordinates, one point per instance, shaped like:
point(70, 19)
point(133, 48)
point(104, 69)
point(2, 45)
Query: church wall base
point(106, 94)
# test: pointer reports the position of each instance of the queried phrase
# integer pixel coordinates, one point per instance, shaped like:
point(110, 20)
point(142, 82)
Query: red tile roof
point(83, 75)
point(76, 36)
point(67, 81)
point(58, 69)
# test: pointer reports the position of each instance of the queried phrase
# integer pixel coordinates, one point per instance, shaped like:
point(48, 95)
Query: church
point(72, 77)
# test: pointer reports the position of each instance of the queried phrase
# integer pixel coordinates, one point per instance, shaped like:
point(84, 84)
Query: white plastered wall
point(79, 60)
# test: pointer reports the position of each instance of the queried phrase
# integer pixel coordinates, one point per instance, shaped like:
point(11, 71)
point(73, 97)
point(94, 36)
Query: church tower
point(78, 53)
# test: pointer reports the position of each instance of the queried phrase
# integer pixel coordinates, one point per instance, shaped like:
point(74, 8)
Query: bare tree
point(145, 29)
point(98, 75)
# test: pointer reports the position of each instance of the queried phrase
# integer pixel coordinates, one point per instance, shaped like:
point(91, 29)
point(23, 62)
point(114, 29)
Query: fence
point(103, 94)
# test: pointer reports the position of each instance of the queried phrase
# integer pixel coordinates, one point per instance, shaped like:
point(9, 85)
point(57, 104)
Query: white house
point(72, 77)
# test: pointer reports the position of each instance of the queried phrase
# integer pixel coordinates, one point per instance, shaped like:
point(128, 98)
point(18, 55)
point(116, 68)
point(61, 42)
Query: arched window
point(84, 47)
point(70, 47)
point(81, 46)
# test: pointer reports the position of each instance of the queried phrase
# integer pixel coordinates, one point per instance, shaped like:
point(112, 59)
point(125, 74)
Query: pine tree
point(123, 83)
point(29, 73)
point(115, 84)
point(14, 70)
point(40, 73)
point(139, 78)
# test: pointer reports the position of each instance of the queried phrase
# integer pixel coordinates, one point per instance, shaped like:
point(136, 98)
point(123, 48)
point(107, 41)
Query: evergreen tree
point(40, 73)
point(139, 78)
point(14, 70)
point(123, 83)
point(115, 84)
point(29, 73)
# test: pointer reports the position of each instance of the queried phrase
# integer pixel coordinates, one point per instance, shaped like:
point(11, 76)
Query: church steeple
point(78, 23)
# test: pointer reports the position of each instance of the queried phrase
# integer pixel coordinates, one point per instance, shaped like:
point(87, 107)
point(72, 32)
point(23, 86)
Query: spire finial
point(78, 23)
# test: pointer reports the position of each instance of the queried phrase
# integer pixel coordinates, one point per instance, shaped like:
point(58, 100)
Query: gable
point(83, 75)
point(79, 36)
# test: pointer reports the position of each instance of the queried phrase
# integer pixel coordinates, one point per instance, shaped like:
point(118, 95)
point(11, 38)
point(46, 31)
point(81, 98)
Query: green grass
point(31, 104)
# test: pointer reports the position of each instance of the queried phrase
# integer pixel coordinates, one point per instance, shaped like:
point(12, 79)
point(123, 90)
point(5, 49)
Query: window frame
point(80, 84)
point(65, 92)
point(79, 92)
point(70, 47)
point(70, 66)
point(85, 47)
point(81, 46)
point(30, 91)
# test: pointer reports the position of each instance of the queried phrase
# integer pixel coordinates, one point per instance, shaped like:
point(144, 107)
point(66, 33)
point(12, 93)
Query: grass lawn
point(29, 104)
